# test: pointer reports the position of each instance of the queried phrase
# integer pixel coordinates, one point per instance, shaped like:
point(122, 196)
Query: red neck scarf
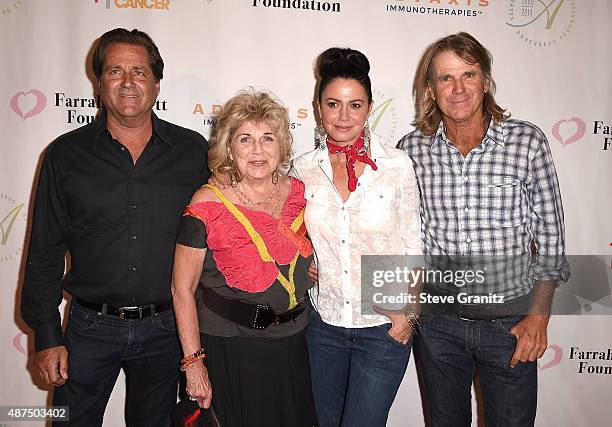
point(353, 152)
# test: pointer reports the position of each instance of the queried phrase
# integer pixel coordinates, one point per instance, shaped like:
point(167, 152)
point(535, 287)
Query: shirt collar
point(160, 129)
point(495, 133)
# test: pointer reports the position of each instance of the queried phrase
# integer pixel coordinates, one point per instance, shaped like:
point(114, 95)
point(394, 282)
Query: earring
point(275, 177)
point(366, 136)
point(233, 180)
point(232, 172)
point(320, 134)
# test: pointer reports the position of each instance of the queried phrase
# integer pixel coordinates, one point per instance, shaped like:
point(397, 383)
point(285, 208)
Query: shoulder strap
point(288, 284)
point(298, 221)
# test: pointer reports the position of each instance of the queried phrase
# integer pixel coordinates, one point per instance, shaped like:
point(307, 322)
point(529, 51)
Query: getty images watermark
point(486, 285)
point(413, 277)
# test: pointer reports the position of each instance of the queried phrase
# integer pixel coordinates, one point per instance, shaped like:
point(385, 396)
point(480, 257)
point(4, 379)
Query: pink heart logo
point(17, 343)
point(576, 136)
point(557, 356)
point(39, 106)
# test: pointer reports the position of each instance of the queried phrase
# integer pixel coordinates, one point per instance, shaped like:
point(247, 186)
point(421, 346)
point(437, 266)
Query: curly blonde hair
point(248, 106)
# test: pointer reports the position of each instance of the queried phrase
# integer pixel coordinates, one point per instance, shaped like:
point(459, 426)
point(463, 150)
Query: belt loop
point(104, 309)
point(152, 310)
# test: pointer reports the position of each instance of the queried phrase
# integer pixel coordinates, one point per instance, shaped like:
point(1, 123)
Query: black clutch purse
point(187, 413)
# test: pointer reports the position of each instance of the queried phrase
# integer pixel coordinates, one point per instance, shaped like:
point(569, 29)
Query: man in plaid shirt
point(488, 187)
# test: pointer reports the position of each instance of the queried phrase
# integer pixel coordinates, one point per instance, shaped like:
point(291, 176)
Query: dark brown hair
point(343, 63)
point(134, 37)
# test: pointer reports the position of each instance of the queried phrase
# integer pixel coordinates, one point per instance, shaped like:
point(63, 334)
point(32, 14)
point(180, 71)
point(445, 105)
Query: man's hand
point(52, 364)
point(531, 338)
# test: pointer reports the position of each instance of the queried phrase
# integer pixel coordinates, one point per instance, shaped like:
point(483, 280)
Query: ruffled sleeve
point(291, 224)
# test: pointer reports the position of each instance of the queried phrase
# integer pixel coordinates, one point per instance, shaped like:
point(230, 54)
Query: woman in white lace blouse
point(362, 199)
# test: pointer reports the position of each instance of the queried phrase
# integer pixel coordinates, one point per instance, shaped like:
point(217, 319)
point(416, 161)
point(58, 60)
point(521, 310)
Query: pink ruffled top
point(235, 253)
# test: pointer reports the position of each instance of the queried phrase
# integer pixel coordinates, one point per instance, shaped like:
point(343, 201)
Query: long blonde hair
point(465, 46)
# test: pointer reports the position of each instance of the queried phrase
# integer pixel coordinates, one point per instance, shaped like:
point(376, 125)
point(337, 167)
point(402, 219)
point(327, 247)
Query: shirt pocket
point(376, 209)
point(503, 201)
point(317, 203)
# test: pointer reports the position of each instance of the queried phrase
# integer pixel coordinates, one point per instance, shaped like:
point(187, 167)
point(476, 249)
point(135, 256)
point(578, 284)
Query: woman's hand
point(313, 272)
point(401, 329)
point(198, 384)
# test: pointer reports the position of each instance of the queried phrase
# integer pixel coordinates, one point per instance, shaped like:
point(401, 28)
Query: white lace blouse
point(381, 217)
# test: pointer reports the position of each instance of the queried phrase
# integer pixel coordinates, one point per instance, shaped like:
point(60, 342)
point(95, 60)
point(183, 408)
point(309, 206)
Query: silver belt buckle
point(122, 310)
point(459, 315)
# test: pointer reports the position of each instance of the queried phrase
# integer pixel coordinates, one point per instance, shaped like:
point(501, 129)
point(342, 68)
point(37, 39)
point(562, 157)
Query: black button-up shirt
point(118, 220)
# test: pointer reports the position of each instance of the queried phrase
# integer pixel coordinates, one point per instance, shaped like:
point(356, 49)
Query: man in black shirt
point(111, 193)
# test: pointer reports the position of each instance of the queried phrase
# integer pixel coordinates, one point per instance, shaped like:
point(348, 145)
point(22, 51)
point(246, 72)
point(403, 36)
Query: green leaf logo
point(6, 225)
point(378, 113)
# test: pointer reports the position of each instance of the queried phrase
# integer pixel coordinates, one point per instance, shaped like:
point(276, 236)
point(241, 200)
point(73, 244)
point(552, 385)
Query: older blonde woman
point(243, 252)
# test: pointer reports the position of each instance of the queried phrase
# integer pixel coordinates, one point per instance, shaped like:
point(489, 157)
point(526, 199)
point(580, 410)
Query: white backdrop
point(552, 65)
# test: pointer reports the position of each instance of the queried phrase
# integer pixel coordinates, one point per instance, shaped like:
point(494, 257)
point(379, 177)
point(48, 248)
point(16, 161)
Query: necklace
point(256, 204)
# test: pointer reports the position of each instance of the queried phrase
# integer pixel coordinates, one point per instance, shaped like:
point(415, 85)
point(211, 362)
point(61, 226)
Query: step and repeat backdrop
point(552, 65)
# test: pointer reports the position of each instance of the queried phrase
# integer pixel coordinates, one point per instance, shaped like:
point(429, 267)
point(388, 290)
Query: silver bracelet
point(411, 316)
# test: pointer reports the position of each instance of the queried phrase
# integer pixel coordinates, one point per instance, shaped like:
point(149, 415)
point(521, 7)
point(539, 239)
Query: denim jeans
point(99, 346)
point(355, 372)
point(450, 350)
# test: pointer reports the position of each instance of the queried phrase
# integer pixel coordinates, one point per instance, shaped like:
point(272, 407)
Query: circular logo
point(7, 7)
point(13, 221)
point(541, 24)
point(383, 118)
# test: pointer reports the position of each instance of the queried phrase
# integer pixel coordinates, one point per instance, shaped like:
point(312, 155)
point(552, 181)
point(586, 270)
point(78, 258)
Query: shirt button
point(465, 179)
point(134, 237)
point(342, 208)
point(345, 271)
point(133, 206)
point(347, 301)
point(134, 269)
point(468, 240)
point(122, 148)
point(466, 209)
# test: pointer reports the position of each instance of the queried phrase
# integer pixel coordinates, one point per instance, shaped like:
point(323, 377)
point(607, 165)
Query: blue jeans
point(99, 346)
point(355, 372)
point(451, 349)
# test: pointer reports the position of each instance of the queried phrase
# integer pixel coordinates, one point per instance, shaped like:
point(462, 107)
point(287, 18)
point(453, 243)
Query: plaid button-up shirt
point(493, 202)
